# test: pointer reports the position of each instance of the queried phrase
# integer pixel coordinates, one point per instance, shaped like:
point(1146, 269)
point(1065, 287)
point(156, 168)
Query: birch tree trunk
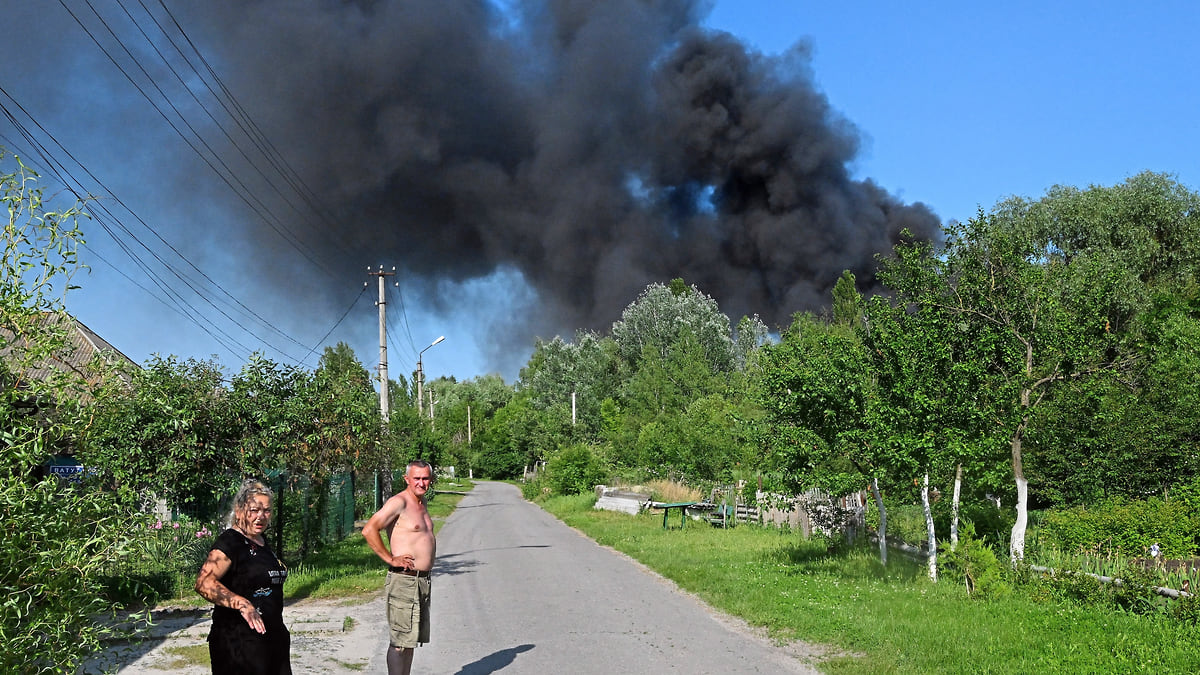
point(954, 508)
point(882, 521)
point(932, 536)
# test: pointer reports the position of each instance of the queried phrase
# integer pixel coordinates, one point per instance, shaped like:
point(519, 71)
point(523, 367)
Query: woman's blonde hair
point(251, 488)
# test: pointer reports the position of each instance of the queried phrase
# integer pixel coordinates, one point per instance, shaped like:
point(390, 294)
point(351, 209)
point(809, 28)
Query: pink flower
point(175, 525)
point(157, 525)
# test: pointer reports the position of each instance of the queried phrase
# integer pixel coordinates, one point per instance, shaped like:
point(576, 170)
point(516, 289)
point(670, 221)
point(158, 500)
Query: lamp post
point(421, 375)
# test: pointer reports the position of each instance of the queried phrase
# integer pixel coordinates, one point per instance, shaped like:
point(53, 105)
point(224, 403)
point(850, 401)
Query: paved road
point(516, 591)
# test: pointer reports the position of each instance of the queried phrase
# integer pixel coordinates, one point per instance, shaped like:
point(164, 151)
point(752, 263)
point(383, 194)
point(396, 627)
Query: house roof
point(82, 346)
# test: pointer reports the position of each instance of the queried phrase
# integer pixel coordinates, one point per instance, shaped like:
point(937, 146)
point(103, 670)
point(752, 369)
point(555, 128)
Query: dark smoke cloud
point(594, 146)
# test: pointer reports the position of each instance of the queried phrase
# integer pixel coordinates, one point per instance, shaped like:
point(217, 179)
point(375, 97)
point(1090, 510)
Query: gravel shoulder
point(328, 636)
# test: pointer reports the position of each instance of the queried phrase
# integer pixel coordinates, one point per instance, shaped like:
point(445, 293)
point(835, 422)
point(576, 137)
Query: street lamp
point(421, 375)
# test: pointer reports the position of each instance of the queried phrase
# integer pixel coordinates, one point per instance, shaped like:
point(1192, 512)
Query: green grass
point(893, 619)
point(190, 655)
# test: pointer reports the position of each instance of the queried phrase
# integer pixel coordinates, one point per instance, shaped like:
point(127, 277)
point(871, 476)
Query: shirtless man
point(410, 558)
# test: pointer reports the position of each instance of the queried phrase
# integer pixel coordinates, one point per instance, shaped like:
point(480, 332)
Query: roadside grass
point(883, 620)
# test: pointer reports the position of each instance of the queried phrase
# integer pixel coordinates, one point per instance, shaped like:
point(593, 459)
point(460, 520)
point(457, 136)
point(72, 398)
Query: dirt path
point(327, 637)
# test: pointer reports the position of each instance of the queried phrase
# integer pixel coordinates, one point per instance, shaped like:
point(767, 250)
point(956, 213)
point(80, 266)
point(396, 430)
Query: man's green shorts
point(408, 609)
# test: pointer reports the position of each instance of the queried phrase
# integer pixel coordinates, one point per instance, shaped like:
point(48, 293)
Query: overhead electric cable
point(335, 325)
point(49, 160)
point(246, 195)
point(250, 128)
point(258, 140)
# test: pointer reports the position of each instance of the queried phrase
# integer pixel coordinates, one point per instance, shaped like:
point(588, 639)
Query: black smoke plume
point(593, 146)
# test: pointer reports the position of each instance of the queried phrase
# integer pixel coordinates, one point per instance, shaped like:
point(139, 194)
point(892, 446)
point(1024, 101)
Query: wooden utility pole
point(384, 409)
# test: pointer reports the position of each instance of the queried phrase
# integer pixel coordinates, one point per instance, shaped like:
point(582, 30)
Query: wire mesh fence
point(309, 513)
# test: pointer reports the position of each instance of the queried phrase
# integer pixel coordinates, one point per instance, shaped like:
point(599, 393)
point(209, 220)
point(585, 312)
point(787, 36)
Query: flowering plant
point(176, 545)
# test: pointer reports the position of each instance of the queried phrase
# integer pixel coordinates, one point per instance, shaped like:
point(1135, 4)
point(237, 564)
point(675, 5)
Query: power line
point(195, 141)
point(338, 323)
point(75, 186)
point(102, 215)
point(211, 158)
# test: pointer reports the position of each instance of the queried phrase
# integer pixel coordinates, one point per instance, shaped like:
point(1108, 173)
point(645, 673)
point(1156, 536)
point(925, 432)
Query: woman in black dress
point(244, 579)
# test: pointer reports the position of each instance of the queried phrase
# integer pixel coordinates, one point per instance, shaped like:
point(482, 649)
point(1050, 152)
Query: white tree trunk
point(929, 528)
point(882, 521)
point(954, 508)
point(1016, 545)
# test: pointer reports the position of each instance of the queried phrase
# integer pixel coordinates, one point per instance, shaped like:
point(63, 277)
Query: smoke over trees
point(580, 149)
point(594, 147)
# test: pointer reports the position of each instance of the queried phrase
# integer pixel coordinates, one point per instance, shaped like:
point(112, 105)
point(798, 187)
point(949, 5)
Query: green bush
point(1123, 527)
point(62, 543)
point(535, 490)
point(1186, 610)
point(574, 470)
point(976, 565)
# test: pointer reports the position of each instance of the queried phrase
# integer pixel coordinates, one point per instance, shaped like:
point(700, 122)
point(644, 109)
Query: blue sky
point(956, 106)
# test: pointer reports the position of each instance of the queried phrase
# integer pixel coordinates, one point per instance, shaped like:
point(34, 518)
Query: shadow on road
point(493, 662)
point(455, 563)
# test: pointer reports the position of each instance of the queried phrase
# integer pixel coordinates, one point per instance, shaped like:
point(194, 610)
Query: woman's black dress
point(257, 575)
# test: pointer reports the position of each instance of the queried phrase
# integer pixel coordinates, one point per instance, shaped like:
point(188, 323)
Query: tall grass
point(885, 619)
point(663, 490)
point(1112, 564)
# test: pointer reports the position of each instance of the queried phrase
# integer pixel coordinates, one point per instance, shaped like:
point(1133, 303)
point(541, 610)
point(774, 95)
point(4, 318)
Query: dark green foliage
point(574, 470)
point(61, 543)
point(1125, 527)
point(1134, 593)
point(975, 564)
point(172, 430)
point(60, 539)
point(1186, 610)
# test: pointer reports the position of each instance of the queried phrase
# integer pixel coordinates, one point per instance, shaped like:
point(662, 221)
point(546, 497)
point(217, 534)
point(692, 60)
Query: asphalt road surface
point(517, 591)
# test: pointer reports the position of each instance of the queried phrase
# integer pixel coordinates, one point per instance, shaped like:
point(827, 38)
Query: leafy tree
point(341, 362)
point(1054, 290)
point(512, 441)
point(346, 421)
point(48, 618)
point(465, 410)
point(847, 302)
point(751, 334)
point(656, 404)
point(815, 387)
point(172, 432)
point(655, 322)
point(927, 397)
point(587, 371)
point(1124, 436)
